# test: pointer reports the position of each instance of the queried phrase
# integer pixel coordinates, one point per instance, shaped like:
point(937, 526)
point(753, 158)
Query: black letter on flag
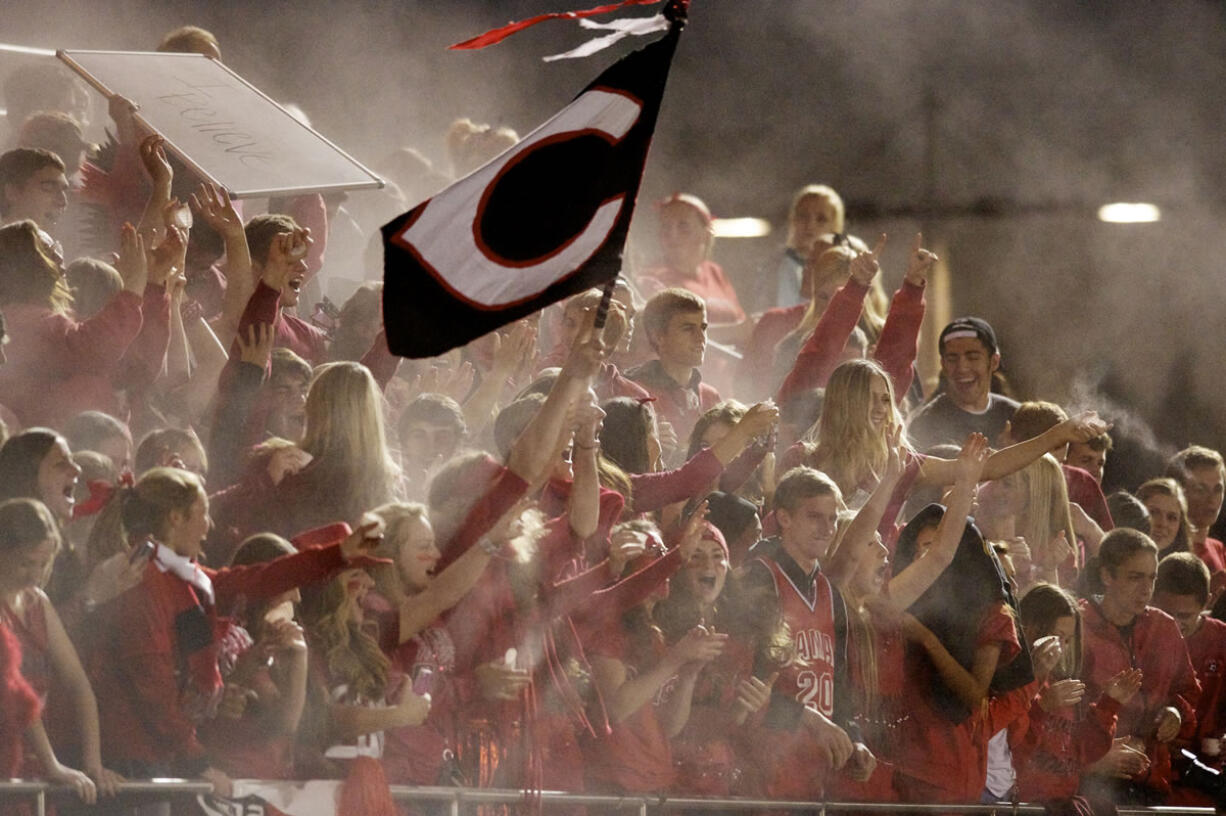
point(544, 220)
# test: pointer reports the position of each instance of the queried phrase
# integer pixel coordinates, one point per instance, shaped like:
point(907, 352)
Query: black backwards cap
point(970, 327)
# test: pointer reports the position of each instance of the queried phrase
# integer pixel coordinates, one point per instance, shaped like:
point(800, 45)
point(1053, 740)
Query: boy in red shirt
point(1182, 591)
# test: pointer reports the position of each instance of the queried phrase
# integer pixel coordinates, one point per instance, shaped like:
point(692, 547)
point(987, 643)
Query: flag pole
point(676, 12)
point(602, 311)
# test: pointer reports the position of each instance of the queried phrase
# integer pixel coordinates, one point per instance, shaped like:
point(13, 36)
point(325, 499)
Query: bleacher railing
point(458, 799)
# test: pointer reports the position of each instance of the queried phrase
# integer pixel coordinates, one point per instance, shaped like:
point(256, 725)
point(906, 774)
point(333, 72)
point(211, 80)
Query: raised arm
point(899, 342)
point(532, 454)
point(453, 583)
point(821, 352)
point(860, 534)
point(1080, 428)
point(912, 582)
point(214, 206)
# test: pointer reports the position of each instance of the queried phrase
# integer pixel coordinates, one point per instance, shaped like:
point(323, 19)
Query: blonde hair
point(142, 511)
point(849, 449)
point(350, 650)
point(825, 193)
point(396, 517)
point(1047, 509)
point(345, 435)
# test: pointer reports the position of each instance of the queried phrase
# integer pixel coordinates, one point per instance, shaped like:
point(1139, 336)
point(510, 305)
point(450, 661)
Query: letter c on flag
point(466, 235)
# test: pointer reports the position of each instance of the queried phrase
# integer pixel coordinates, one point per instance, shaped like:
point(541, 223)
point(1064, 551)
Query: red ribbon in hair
point(100, 495)
point(497, 35)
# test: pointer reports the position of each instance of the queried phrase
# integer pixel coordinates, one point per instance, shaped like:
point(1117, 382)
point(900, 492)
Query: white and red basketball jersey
point(813, 630)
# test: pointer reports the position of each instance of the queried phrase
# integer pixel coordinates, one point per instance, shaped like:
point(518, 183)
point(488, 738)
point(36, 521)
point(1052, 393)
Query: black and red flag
point(545, 220)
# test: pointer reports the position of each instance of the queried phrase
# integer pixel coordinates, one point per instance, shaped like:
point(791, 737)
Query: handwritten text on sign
point(222, 126)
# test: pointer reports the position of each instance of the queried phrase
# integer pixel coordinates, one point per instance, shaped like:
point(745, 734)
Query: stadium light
point(740, 227)
point(1123, 212)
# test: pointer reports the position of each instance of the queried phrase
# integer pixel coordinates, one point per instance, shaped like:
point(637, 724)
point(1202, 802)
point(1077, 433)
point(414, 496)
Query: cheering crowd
point(684, 549)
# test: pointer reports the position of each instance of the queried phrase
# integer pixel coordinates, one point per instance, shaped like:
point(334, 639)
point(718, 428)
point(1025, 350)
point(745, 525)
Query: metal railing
point(458, 798)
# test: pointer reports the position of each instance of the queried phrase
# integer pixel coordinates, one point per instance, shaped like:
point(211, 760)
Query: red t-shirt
point(709, 283)
point(635, 756)
point(938, 760)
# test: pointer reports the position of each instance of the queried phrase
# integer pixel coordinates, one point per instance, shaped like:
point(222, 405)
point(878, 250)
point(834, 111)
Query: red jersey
point(812, 626)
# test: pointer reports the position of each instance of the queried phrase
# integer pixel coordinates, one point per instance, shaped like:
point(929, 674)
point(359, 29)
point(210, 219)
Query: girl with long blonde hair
point(341, 469)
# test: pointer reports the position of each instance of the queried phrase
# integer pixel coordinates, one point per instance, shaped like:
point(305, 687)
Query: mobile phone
point(423, 680)
point(141, 550)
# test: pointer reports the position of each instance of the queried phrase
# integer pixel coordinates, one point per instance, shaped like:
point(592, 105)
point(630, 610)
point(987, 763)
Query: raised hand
point(132, 265)
point(588, 352)
point(1044, 655)
point(866, 265)
point(1061, 694)
point(1055, 553)
point(971, 459)
point(588, 420)
point(1124, 685)
point(167, 257)
point(121, 110)
point(760, 419)
point(1082, 427)
point(153, 157)
point(919, 262)
point(691, 534)
point(896, 456)
point(214, 206)
point(256, 347)
point(752, 695)
point(698, 646)
point(285, 461)
point(625, 545)
point(514, 349)
point(364, 540)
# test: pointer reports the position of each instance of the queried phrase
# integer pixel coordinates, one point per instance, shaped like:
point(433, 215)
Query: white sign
point(222, 126)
